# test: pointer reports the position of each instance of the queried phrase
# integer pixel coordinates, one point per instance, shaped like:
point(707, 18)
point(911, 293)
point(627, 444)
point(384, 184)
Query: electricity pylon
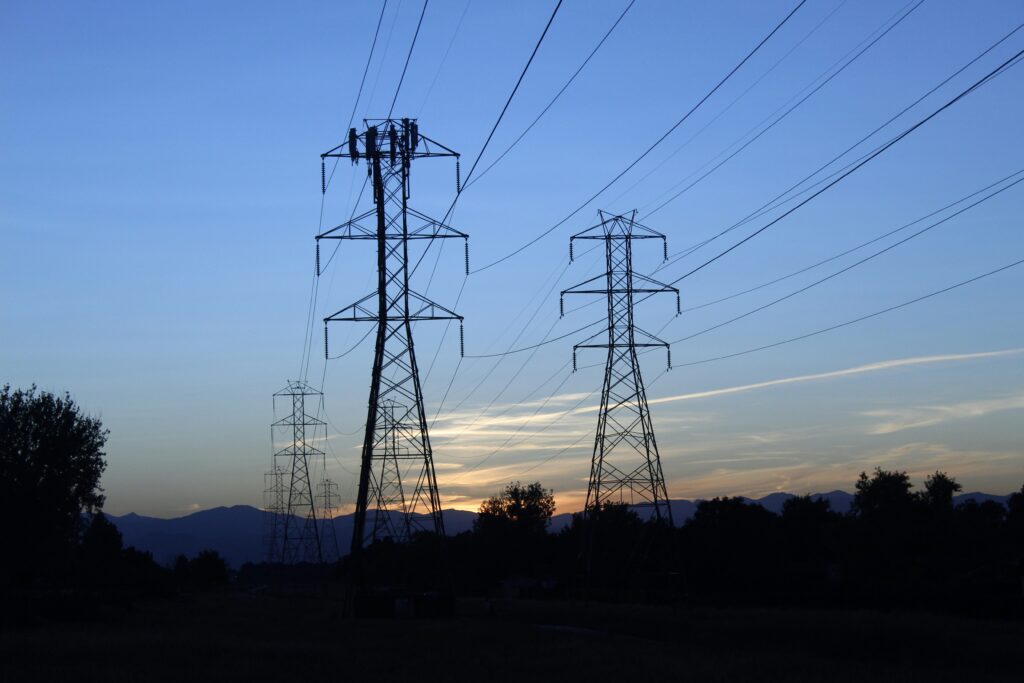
point(273, 511)
point(396, 474)
point(626, 467)
point(294, 437)
point(329, 497)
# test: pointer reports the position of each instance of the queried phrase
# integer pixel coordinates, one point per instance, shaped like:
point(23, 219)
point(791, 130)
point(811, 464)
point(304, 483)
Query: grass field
point(236, 637)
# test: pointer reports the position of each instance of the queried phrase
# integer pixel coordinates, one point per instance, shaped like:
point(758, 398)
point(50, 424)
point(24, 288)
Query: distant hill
point(236, 532)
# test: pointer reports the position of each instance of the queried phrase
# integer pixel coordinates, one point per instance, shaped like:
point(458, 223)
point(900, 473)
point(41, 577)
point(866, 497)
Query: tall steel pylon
point(396, 475)
point(626, 467)
point(294, 436)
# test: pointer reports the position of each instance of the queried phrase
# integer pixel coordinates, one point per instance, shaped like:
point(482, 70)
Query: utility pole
point(625, 467)
point(396, 475)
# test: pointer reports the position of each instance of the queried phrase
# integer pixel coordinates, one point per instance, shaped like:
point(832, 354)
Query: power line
point(366, 69)
point(512, 94)
point(963, 210)
point(775, 203)
point(789, 111)
point(458, 193)
point(537, 345)
point(790, 340)
point(850, 250)
point(535, 413)
point(307, 338)
point(855, 320)
point(880, 150)
point(646, 152)
point(444, 58)
point(408, 57)
point(729, 106)
point(555, 98)
point(851, 266)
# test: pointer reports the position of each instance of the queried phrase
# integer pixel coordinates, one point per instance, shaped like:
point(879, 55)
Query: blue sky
point(159, 191)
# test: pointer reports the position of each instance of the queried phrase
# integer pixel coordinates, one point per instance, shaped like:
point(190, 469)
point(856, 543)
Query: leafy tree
point(884, 495)
point(939, 490)
point(722, 536)
point(51, 459)
point(1015, 504)
point(522, 510)
point(208, 569)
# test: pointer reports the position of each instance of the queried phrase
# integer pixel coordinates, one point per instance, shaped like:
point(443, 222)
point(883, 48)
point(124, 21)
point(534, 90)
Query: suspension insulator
point(414, 130)
point(323, 176)
point(393, 142)
point(326, 356)
point(353, 145)
point(561, 307)
point(570, 251)
point(465, 243)
point(462, 340)
point(679, 305)
point(458, 177)
point(664, 246)
point(318, 258)
point(574, 360)
point(669, 350)
point(371, 142)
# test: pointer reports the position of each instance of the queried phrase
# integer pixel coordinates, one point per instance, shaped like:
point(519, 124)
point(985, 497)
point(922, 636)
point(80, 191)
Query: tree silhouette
point(208, 570)
point(939, 490)
point(51, 459)
point(884, 495)
point(101, 544)
point(522, 510)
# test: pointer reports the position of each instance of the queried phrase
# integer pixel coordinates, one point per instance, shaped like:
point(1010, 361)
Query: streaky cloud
point(834, 374)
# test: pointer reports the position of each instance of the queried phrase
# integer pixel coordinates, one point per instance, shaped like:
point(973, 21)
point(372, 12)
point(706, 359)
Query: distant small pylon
point(274, 510)
point(329, 499)
point(294, 437)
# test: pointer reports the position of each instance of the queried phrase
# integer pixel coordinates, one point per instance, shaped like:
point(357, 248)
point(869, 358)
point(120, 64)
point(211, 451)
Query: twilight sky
point(160, 189)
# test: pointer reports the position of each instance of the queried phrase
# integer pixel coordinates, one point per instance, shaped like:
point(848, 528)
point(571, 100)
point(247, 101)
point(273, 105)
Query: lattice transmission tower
point(328, 498)
point(626, 467)
point(295, 535)
point(274, 510)
point(397, 484)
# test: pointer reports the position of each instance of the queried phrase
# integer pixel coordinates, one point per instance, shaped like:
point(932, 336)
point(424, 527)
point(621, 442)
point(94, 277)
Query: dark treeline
point(896, 548)
point(63, 558)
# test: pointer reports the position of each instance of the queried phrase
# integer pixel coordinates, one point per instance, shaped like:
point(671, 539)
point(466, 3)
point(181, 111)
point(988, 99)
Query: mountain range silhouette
point(236, 532)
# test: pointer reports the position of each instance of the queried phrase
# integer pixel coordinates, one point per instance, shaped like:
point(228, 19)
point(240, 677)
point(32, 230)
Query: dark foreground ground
point(235, 637)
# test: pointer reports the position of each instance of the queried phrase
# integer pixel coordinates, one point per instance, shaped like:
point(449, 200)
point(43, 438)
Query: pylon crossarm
point(646, 232)
point(590, 233)
point(351, 230)
point(420, 148)
point(430, 310)
point(652, 340)
point(433, 148)
point(576, 289)
point(355, 312)
point(662, 287)
point(432, 228)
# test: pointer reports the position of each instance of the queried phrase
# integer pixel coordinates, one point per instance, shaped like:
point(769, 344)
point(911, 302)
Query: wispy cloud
point(847, 372)
point(901, 419)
